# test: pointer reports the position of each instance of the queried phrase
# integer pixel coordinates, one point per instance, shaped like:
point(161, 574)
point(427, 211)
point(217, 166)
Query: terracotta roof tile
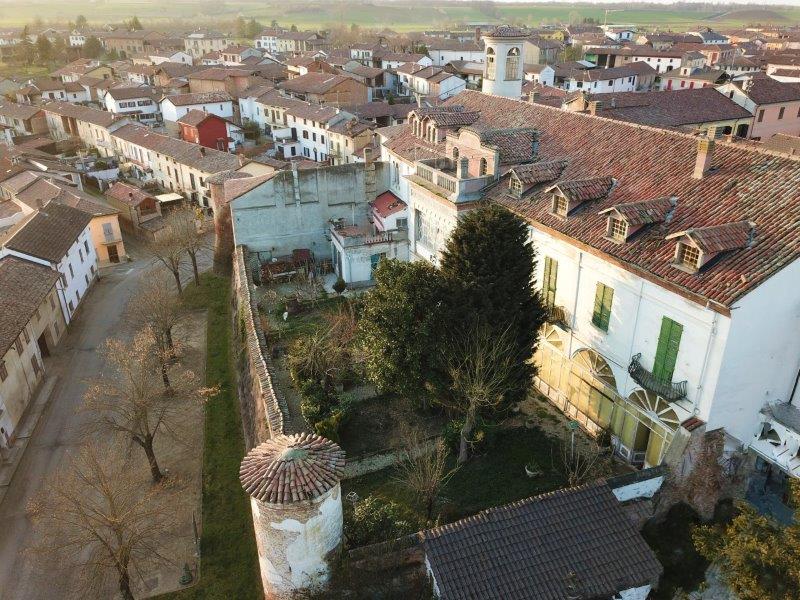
point(719, 238)
point(292, 468)
point(645, 212)
point(49, 233)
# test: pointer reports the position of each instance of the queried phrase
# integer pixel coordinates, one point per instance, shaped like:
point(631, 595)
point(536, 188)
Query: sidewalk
point(11, 458)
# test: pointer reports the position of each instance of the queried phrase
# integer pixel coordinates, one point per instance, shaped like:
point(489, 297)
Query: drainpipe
point(700, 385)
point(794, 387)
point(575, 303)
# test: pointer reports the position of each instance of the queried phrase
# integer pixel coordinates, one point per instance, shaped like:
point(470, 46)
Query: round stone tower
point(502, 71)
point(295, 495)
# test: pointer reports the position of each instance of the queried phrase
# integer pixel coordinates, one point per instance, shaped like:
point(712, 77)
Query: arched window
point(455, 153)
point(490, 64)
point(512, 65)
point(484, 167)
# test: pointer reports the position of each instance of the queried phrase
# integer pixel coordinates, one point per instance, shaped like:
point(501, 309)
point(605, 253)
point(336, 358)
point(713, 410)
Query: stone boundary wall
point(264, 411)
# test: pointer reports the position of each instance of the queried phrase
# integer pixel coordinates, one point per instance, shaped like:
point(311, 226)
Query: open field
point(399, 15)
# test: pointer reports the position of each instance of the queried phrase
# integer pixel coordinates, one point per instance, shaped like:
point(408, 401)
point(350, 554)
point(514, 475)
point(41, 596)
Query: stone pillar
point(296, 499)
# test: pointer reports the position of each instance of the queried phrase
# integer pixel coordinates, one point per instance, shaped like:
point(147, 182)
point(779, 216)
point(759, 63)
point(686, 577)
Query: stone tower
point(502, 71)
point(295, 494)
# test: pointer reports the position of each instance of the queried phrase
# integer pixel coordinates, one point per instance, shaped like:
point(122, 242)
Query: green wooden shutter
point(549, 281)
point(601, 315)
point(669, 340)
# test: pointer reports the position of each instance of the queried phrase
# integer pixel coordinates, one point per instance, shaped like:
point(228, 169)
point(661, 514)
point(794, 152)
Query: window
point(3, 370)
point(484, 167)
point(512, 65)
point(80, 254)
point(669, 340)
point(321, 139)
point(402, 223)
point(86, 246)
point(52, 301)
point(18, 346)
point(26, 336)
point(305, 135)
point(560, 205)
point(549, 281)
point(601, 314)
point(71, 272)
point(515, 185)
point(781, 111)
point(455, 153)
point(618, 229)
point(314, 137)
point(761, 115)
point(688, 256)
point(491, 65)
point(35, 364)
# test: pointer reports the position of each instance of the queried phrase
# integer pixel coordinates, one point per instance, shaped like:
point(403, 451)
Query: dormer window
point(688, 256)
point(515, 186)
point(617, 229)
point(560, 205)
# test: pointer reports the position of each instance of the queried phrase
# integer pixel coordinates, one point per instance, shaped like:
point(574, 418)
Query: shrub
point(329, 428)
point(377, 519)
point(310, 359)
point(316, 403)
point(339, 286)
point(483, 435)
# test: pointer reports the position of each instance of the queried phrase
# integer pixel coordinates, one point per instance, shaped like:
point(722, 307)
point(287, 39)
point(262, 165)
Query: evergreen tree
point(27, 50)
point(241, 27)
point(135, 24)
point(80, 22)
point(253, 29)
point(402, 327)
point(44, 50)
point(92, 48)
point(489, 264)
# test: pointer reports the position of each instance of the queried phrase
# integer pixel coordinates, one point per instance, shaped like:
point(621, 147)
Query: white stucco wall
point(761, 359)
point(296, 540)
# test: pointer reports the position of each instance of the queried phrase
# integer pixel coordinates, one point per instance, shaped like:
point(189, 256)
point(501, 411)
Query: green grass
point(229, 563)
point(490, 479)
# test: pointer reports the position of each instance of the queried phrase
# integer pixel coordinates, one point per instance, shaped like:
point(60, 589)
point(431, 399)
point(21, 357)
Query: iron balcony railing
point(669, 391)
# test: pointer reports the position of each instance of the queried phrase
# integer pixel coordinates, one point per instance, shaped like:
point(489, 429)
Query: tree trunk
point(168, 337)
point(177, 275)
point(165, 376)
point(155, 471)
point(193, 257)
point(466, 434)
point(125, 585)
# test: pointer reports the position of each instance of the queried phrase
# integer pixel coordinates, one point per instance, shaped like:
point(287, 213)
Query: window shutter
point(601, 315)
point(669, 341)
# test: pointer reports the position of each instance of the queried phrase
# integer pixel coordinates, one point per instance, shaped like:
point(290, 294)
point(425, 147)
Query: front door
point(113, 254)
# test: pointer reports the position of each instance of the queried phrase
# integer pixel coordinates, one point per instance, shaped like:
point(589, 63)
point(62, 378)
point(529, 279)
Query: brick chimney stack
point(705, 157)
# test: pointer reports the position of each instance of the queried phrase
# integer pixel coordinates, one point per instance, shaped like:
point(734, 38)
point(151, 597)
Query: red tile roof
point(292, 468)
point(387, 204)
point(582, 190)
point(645, 212)
point(745, 185)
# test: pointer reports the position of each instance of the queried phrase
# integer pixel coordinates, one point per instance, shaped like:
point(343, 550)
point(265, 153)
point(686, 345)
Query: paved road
point(75, 361)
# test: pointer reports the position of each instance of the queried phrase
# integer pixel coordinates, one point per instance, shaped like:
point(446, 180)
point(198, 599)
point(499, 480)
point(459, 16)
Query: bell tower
point(502, 71)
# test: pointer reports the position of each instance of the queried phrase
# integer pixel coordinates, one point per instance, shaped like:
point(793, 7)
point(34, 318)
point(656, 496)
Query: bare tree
point(167, 248)
point(479, 366)
point(186, 223)
point(156, 305)
point(98, 516)
point(131, 399)
point(423, 468)
point(582, 461)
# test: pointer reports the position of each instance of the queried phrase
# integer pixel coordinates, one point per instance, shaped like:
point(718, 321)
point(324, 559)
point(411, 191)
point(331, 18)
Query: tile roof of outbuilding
point(314, 83)
point(574, 542)
point(198, 98)
point(23, 287)
point(745, 185)
point(766, 90)
point(128, 194)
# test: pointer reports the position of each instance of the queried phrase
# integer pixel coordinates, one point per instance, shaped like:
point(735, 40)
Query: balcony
point(558, 315)
point(349, 236)
point(442, 177)
point(669, 391)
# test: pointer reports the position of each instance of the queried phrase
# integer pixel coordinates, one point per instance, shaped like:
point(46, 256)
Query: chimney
point(705, 156)
point(532, 95)
point(462, 169)
point(367, 155)
point(477, 35)
point(594, 106)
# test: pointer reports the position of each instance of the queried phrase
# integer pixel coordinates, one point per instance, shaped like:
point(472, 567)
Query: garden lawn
point(490, 479)
point(229, 561)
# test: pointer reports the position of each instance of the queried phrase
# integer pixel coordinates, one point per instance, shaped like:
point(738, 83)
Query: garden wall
point(264, 412)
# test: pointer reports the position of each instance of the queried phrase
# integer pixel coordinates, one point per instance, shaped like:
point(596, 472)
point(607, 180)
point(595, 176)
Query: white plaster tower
point(296, 498)
point(502, 71)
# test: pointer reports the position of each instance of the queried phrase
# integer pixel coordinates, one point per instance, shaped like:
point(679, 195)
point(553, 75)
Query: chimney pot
point(705, 157)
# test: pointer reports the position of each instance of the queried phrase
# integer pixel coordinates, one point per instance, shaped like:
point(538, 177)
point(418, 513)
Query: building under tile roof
point(292, 468)
point(48, 233)
point(745, 184)
point(572, 543)
point(23, 287)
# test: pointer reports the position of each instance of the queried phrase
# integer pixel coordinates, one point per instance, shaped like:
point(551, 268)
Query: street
point(58, 432)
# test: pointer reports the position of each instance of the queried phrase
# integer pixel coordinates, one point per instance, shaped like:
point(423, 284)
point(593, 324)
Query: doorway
point(44, 349)
point(113, 254)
